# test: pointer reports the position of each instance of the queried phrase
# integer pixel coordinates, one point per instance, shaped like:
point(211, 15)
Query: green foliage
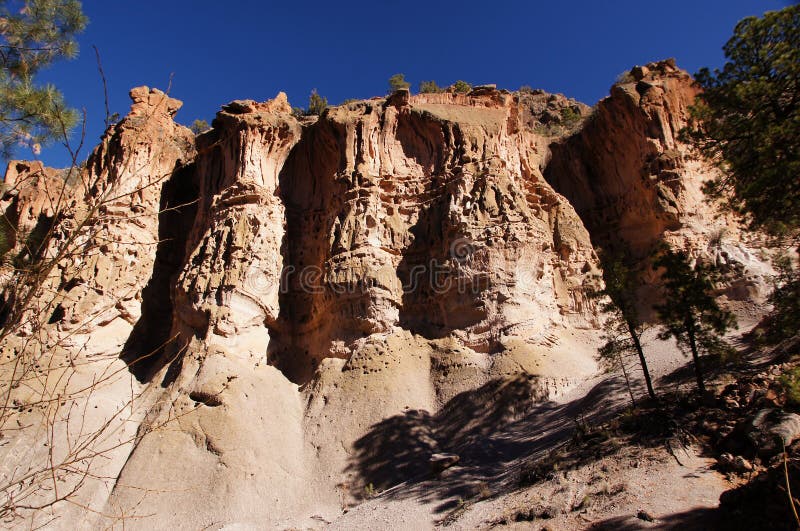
point(790, 381)
point(690, 312)
point(369, 490)
point(784, 322)
point(398, 82)
point(623, 328)
point(461, 87)
point(31, 38)
point(429, 87)
point(570, 117)
point(199, 126)
point(316, 104)
point(747, 121)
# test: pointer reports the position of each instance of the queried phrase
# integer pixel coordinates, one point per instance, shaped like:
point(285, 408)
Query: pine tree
point(690, 312)
point(316, 104)
point(31, 38)
point(747, 121)
point(461, 87)
point(623, 328)
point(398, 82)
point(429, 87)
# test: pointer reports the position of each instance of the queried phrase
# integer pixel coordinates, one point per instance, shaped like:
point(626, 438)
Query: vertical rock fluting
point(625, 172)
point(378, 225)
point(232, 422)
point(116, 222)
point(426, 213)
point(227, 292)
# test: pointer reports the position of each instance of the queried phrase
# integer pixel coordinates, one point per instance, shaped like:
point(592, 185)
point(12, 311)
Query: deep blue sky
point(218, 51)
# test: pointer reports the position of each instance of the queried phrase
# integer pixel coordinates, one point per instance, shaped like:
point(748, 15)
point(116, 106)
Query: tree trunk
point(690, 331)
point(627, 380)
point(642, 360)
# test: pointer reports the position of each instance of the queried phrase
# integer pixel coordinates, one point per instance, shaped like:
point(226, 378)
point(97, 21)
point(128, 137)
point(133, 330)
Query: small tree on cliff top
point(690, 312)
point(429, 87)
point(199, 126)
point(461, 87)
point(316, 104)
point(33, 34)
point(398, 82)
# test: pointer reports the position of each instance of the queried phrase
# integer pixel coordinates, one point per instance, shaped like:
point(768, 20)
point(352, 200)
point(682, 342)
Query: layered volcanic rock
point(292, 296)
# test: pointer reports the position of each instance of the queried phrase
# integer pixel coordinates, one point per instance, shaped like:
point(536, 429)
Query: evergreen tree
point(429, 87)
point(623, 328)
point(461, 87)
point(398, 82)
point(784, 321)
point(690, 313)
point(316, 104)
point(748, 121)
point(33, 34)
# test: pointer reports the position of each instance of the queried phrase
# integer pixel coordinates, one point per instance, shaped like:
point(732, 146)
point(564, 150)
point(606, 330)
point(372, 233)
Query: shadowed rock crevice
point(312, 191)
point(176, 216)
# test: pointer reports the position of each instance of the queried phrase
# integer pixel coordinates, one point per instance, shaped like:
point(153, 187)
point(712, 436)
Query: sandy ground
point(665, 489)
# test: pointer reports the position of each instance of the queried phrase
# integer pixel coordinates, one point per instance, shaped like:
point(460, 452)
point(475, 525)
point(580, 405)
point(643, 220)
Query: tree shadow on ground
point(750, 358)
point(495, 430)
point(694, 519)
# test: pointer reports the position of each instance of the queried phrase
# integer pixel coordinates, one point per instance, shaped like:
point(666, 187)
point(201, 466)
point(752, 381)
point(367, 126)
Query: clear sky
point(216, 51)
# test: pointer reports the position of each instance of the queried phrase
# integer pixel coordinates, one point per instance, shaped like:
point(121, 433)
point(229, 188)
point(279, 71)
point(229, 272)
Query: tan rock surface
point(307, 306)
point(635, 184)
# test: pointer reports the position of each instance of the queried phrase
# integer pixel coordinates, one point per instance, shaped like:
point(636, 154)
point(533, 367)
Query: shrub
point(461, 87)
point(570, 116)
point(316, 104)
point(398, 82)
point(790, 380)
point(429, 87)
point(199, 126)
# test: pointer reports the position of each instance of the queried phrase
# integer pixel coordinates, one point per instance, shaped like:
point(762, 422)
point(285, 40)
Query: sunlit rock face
point(280, 286)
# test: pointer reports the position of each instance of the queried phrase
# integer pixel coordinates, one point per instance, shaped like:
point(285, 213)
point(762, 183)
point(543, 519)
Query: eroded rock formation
point(278, 287)
point(635, 185)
